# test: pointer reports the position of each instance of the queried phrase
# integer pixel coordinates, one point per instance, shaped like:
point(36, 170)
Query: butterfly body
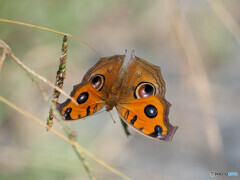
point(115, 92)
point(137, 91)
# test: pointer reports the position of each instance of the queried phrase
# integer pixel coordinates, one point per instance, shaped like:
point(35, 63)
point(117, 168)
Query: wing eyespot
point(157, 132)
point(82, 98)
point(97, 81)
point(67, 114)
point(144, 89)
point(150, 111)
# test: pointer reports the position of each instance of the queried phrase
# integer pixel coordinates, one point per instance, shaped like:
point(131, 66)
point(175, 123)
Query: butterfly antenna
point(112, 117)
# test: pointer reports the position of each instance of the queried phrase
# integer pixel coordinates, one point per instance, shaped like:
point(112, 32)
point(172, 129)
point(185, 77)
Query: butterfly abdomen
point(113, 97)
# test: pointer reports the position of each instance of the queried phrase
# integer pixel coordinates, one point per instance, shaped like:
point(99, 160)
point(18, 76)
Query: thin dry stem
point(73, 143)
point(2, 58)
point(198, 75)
point(5, 50)
point(26, 68)
point(226, 17)
point(40, 77)
point(50, 30)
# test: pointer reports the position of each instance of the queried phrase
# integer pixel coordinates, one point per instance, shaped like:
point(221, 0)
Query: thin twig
point(50, 30)
point(5, 50)
point(10, 53)
point(2, 58)
point(40, 77)
point(70, 141)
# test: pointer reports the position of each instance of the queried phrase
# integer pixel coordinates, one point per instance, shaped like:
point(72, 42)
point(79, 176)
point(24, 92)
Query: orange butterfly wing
point(89, 101)
point(142, 103)
point(149, 116)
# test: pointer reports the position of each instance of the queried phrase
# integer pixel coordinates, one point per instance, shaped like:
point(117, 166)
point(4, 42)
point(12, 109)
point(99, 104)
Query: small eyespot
point(144, 89)
point(138, 73)
point(67, 114)
point(150, 111)
point(158, 130)
point(82, 98)
point(97, 81)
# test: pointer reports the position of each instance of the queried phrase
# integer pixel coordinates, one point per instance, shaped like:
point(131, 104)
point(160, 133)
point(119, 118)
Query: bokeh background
point(196, 44)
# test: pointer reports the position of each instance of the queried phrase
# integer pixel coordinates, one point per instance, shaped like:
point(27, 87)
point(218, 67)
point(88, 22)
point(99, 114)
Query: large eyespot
point(97, 81)
point(144, 89)
point(82, 98)
point(150, 111)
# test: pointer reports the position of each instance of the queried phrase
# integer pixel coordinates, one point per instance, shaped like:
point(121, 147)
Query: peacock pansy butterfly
point(137, 91)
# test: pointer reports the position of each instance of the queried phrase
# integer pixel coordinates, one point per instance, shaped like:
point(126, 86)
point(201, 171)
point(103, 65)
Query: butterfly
point(136, 90)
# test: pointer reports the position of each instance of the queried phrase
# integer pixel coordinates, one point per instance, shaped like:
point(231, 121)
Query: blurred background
point(196, 44)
